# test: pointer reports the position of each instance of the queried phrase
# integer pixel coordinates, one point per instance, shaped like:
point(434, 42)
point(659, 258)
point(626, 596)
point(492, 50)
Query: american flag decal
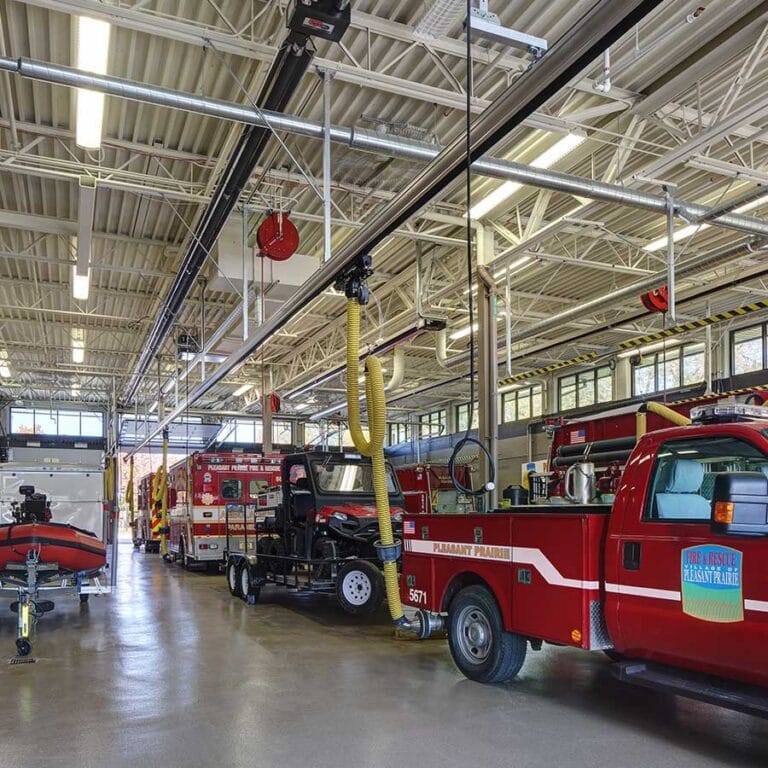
point(578, 436)
point(409, 526)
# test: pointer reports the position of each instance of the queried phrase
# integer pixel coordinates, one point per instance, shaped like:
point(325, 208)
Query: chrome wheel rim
point(356, 588)
point(232, 576)
point(474, 636)
point(245, 583)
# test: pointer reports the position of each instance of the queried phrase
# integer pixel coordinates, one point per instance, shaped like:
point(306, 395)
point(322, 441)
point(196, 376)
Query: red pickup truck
point(671, 579)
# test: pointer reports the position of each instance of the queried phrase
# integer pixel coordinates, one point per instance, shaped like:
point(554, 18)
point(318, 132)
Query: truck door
point(232, 517)
point(687, 595)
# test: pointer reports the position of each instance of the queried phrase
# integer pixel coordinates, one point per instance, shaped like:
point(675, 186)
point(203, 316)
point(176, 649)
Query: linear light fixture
point(209, 358)
point(242, 390)
point(546, 159)
point(80, 284)
point(665, 345)
point(92, 56)
point(152, 408)
point(462, 332)
point(438, 18)
point(690, 229)
point(78, 345)
point(5, 371)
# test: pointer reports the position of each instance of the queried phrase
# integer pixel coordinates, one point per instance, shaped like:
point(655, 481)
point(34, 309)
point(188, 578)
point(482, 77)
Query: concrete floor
point(172, 670)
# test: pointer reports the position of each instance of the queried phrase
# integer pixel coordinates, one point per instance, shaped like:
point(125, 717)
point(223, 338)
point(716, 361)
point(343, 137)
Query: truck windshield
point(339, 476)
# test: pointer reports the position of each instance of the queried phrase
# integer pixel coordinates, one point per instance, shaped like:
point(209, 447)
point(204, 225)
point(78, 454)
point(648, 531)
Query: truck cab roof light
point(720, 414)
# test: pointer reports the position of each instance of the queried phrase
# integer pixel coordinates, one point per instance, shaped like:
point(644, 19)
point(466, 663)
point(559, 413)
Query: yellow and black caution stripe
point(548, 369)
point(694, 325)
point(729, 393)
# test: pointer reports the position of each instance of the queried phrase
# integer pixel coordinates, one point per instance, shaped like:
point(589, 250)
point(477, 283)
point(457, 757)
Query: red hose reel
point(277, 237)
point(656, 300)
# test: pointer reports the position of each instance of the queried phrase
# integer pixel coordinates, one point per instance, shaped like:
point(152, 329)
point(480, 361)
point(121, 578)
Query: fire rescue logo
point(711, 583)
point(207, 499)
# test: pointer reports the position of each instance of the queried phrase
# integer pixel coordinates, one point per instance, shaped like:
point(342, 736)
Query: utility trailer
point(670, 578)
point(322, 536)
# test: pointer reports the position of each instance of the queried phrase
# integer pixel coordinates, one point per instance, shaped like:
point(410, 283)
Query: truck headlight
point(340, 516)
point(398, 517)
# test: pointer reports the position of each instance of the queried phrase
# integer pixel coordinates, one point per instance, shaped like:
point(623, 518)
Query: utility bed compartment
point(544, 566)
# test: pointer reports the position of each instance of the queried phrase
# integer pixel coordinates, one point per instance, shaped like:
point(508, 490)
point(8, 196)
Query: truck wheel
point(480, 646)
point(360, 587)
point(23, 647)
point(233, 579)
point(280, 567)
point(247, 591)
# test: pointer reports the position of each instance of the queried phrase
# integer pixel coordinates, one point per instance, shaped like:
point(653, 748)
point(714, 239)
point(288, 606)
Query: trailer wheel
point(23, 647)
point(233, 579)
point(360, 587)
point(248, 592)
point(480, 646)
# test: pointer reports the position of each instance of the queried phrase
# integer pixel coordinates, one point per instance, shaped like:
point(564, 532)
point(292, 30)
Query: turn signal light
point(724, 512)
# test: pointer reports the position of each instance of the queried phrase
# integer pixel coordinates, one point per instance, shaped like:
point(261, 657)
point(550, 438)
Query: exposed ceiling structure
point(683, 109)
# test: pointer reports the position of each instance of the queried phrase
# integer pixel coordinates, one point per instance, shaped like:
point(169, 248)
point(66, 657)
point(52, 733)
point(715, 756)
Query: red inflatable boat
point(72, 548)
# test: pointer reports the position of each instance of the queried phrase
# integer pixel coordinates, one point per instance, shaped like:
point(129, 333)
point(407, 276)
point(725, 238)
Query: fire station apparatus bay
point(176, 671)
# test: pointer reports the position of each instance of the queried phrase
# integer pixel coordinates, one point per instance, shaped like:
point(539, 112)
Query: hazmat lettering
point(711, 583)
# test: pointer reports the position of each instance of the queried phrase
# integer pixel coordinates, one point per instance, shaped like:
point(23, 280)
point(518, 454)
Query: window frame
point(239, 482)
point(573, 379)
point(653, 360)
point(732, 348)
point(436, 418)
point(55, 415)
point(529, 392)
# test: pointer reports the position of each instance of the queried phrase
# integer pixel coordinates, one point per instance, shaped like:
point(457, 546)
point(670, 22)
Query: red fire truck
point(670, 578)
point(428, 488)
point(146, 529)
point(210, 498)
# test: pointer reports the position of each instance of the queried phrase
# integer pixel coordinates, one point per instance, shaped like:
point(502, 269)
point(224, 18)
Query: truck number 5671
point(417, 596)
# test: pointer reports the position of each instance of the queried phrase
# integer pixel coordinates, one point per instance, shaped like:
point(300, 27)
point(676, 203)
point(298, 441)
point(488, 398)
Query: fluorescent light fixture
point(657, 347)
point(92, 56)
point(509, 388)
point(521, 262)
point(242, 390)
point(152, 408)
point(546, 159)
point(75, 389)
point(78, 345)
point(681, 234)
point(5, 371)
point(210, 358)
point(438, 19)
point(80, 284)
point(462, 332)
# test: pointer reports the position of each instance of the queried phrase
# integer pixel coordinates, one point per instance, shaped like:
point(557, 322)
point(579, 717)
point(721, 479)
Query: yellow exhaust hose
point(374, 447)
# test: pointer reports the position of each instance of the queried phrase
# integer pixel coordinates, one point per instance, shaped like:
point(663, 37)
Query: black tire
point(280, 567)
point(84, 598)
point(248, 591)
point(359, 587)
point(480, 646)
point(233, 578)
point(23, 647)
point(613, 655)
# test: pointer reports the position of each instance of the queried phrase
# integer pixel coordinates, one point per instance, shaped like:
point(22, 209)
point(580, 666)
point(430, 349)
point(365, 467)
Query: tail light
point(724, 512)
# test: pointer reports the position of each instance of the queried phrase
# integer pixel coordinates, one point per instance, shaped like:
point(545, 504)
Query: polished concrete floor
point(172, 671)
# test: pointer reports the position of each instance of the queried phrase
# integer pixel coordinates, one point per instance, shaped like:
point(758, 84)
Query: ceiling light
point(462, 332)
point(92, 56)
point(78, 345)
point(509, 388)
point(546, 159)
point(152, 408)
point(752, 205)
point(679, 234)
point(80, 284)
point(208, 358)
point(438, 19)
point(5, 371)
point(242, 390)
point(522, 261)
point(75, 389)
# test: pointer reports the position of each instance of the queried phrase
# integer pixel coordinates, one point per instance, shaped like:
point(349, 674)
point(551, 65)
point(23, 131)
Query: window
point(684, 475)
point(462, 417)
point(255, 487)
point(231, 489)
point(399, 433)
point(678, 367)
point(312, 434)
point(585, 388)
point(65, 423)
point(522, 403)
point(434, 423)
point(748, 349)
point(282, 432)
point(348, 477)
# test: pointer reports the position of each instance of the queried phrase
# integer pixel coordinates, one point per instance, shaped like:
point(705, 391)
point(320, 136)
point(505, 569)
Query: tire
point(613, 655)
point(480, 646)
point(248, 591)
point(23, 647)
point(233, 578)
point(360, 587)
point(281, 567)
point(84, 598)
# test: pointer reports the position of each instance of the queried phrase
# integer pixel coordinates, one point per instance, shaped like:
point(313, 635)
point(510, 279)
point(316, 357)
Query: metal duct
point(600, 27)
point(370, 141)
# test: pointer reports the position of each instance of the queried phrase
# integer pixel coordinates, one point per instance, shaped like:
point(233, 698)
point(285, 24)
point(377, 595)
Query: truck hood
point(358, 510)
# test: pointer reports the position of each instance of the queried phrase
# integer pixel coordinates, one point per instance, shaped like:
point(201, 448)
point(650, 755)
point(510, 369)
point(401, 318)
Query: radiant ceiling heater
point(326, 19)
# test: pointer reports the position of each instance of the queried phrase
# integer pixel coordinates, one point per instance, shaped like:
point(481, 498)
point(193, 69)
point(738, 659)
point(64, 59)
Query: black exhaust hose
point(595, 458)
point(598, 446)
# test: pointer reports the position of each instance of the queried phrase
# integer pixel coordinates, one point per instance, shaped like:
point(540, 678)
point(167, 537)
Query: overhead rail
point(370, 141)
point(600, 27)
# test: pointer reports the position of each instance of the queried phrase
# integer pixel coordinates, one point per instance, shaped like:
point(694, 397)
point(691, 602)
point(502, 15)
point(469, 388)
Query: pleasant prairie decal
point(711, 583)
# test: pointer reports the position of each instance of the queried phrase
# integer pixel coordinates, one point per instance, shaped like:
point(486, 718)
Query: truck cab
point(670, 578)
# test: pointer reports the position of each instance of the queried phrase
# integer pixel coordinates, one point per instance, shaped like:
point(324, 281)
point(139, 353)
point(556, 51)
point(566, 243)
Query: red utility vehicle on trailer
point(202, 489)
point(671, 578)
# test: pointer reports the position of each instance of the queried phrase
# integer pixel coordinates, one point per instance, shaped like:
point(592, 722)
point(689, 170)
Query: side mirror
point(740, 504)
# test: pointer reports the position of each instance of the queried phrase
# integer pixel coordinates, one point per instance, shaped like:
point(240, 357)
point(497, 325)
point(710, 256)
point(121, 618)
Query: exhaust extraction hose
point(373, 447)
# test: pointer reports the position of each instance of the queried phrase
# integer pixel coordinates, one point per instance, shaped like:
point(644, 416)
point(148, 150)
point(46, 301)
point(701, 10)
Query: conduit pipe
point(600, 27)
point(370, 141)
